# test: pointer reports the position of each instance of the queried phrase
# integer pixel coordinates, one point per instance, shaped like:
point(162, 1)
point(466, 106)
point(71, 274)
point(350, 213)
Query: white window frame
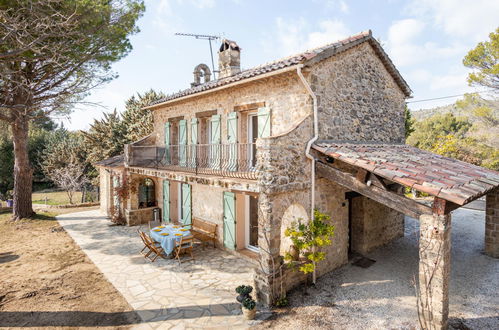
point(247, 230)
point(251, 116)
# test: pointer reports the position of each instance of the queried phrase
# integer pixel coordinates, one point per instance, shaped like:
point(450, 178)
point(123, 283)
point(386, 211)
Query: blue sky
point(425, 39)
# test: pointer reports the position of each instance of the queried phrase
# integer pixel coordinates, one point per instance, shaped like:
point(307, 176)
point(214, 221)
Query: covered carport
point(380, 172)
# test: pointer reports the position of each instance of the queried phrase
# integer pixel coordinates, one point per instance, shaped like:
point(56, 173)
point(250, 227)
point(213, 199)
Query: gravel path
point(382, 296)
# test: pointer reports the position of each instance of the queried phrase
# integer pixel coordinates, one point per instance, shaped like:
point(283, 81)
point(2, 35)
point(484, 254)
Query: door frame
point(247, 227)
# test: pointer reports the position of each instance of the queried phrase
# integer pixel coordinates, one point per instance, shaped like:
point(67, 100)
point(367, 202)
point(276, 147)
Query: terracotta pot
point(294, 252)
point(249, 314)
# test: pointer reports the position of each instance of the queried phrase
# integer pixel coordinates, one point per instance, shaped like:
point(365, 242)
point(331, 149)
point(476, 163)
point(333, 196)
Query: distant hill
point(455, 110)
point(488, 134)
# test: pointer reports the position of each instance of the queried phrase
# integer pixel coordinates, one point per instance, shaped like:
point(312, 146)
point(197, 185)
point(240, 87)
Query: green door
point(230, 220)
point(232, 141)
point(186, 204)
point(166, 201)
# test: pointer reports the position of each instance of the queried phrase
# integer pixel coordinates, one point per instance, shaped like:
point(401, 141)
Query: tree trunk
point(23, 173)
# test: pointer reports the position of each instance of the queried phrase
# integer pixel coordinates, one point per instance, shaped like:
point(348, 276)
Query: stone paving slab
point(166, 295)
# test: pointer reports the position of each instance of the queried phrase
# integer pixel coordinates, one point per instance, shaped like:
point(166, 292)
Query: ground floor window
point(147, 193)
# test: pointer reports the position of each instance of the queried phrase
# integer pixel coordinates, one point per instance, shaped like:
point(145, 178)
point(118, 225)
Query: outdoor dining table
point(166, 236)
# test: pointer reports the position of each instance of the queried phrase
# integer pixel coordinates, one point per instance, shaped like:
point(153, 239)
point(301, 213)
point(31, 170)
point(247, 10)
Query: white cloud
point(406, 48)
point(338, 5)
point(297, 35)
point(462, 18)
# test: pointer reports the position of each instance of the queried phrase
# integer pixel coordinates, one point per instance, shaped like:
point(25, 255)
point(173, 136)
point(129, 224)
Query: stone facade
point(492, 224)
point(374, 225)
point(358, 100)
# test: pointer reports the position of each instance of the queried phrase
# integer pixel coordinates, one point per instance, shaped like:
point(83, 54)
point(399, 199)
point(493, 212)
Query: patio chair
point(183, 246)
point(146, 244)
point(155, 247)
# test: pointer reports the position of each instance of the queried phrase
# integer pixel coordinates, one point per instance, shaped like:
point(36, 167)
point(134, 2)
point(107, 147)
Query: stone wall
point(492, 224)
point(357, 98)
point(374, 224)
point(207, 204)
point(283, 94)
point(330, 199)
point(105, 193)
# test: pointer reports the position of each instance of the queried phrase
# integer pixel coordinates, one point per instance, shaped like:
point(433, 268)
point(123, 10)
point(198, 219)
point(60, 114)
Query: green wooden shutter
point(215, 142)
point(263, 122)
point(186, 204)
point(182, 141)
point(194, 142)
point(231, 157)
point(166, 201)
point(229, 220)
point(167, 143)
point(215, 129)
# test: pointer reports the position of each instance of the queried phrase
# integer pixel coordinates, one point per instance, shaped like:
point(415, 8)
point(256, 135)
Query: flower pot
point(10, 203)
point(294, 252)
point(249, 314)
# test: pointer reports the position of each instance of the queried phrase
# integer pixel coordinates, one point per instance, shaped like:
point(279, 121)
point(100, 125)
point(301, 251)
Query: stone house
point(255, 150)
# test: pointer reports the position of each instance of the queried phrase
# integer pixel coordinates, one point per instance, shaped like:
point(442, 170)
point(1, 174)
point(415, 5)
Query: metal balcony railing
point(236, 160)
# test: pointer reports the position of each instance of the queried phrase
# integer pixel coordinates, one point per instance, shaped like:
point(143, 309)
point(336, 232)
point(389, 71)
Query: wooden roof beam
point(395, 201)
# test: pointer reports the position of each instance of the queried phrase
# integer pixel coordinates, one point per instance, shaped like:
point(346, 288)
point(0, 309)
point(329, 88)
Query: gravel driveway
point(382, 296)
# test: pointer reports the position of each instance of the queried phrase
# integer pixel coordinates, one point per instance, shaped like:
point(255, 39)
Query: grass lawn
point(47, 281)
point(55, 198)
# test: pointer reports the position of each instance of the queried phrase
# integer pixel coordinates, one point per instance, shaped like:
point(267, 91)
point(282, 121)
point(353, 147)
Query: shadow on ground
point(90, 319)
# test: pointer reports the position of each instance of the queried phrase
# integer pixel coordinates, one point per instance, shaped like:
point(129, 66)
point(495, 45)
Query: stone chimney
point(229, 58)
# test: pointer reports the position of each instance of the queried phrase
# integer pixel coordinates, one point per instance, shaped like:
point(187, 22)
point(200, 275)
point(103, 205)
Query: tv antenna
point(203, 37)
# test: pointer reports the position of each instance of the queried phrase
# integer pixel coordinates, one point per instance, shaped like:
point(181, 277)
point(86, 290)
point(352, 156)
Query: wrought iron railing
point(237, 160)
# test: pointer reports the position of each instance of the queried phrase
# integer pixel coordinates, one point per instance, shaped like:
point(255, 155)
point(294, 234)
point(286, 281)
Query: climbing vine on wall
point(308, 238)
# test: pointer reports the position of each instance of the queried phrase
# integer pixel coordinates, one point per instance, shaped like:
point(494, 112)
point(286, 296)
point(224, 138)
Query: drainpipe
point(314, 138)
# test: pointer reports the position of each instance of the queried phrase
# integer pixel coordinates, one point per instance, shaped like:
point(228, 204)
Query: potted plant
point(244, 292)
point(249, 308)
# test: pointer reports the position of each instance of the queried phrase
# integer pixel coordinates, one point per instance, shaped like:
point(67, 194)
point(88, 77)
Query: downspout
point(313, 139)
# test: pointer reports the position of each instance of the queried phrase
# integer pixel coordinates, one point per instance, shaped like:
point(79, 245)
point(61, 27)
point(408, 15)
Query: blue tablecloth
point(167, 242)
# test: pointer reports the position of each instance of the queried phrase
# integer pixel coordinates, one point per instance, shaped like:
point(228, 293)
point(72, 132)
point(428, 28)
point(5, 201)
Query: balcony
point(235, 160)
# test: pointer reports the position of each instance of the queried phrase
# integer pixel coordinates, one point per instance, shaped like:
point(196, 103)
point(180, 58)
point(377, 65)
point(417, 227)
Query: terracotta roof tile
point(447, 178)
point(318, 53)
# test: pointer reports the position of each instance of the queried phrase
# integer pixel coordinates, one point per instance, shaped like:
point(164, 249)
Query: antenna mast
point(203, 37)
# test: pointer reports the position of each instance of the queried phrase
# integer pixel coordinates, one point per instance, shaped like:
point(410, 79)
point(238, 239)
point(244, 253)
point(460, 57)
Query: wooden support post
point(397, 202)
point(434, 270)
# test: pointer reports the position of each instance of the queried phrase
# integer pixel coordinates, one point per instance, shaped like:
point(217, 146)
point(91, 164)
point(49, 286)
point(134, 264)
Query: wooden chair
point(155, 248)
point(146, 244)
point(183, 246)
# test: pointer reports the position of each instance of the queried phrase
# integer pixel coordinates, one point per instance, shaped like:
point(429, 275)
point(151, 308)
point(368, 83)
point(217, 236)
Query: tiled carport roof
point(307, 57)
point(450, 179)
point(115, 161)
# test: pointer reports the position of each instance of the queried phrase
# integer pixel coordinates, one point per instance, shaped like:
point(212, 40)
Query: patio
point(165, 295)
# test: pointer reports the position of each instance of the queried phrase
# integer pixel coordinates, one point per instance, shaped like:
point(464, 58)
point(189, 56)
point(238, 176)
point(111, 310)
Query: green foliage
point(460, 137)
point(244, 289)
point(484, 60)
point(409, 122)
point(426, 132)
point(139, 121)
point(249, 303)
point(308, 238)
point(282, 302)
point(106, 137)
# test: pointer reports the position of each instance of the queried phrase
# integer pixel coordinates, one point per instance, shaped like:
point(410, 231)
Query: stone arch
point(293, 213)
point(201, 71)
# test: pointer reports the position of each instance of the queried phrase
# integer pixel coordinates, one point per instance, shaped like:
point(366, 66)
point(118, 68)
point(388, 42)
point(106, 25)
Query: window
point(252, 137)
point(147, 194)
